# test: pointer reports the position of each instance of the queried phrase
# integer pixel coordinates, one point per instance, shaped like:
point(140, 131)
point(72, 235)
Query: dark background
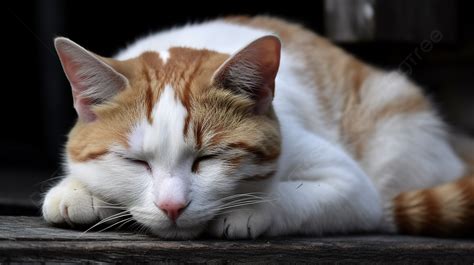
point(36, 103)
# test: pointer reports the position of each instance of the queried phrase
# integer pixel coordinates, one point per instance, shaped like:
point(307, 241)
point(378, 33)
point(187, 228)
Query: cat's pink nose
point(172, 209)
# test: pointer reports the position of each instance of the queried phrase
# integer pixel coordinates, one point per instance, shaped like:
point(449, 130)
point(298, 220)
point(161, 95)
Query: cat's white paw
point(243, 223)
point(71, 203)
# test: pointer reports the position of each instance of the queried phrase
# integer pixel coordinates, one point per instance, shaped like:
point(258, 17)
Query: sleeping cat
point(254, 126)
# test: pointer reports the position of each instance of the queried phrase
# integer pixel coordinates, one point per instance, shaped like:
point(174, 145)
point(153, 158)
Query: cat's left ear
point(252, 71)
point(93, 79)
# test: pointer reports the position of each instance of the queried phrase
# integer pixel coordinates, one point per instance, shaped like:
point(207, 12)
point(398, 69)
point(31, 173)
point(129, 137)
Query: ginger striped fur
point(446, 210)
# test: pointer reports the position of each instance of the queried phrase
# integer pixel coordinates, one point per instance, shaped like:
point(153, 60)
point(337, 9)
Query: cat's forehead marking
point(171, 79)
point(162, 140)
point(164, 55)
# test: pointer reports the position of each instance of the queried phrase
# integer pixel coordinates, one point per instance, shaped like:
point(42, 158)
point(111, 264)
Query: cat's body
point(352, 138)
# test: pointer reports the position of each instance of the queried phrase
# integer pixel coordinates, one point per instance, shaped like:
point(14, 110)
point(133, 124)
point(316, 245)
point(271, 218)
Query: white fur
point(166, 151)
point(318, 187)
point(229, 39)
point(162, 140)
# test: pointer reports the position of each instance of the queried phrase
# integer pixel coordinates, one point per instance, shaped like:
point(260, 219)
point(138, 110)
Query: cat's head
point(174, 137)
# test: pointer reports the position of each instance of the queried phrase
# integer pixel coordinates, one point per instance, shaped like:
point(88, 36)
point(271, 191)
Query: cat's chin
point(177, 233)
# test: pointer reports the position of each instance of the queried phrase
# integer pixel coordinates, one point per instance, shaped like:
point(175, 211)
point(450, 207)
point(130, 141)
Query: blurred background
point(430, 40)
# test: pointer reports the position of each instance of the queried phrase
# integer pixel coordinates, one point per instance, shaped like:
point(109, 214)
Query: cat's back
point(217, 35)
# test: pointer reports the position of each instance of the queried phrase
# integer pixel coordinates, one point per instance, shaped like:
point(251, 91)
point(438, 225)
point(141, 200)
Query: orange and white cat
point(245, 127)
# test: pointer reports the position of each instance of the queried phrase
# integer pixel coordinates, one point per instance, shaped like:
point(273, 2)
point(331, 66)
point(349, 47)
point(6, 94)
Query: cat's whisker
point(252, 194)
point(109, 207)
point(129, 220)
point(240, 200)
point(110, 218)
point(116, 223)
point(140, 228)
point(48, 180)
point(243, 194)
point(103, 221)
point(236, 205)
point(113, 216)
point(243, 201)
point(136, 226)
point(146, 230)
point(239, 205)
point(250, 201)
point(143, 229)
point(242, 204)
point(247, 198)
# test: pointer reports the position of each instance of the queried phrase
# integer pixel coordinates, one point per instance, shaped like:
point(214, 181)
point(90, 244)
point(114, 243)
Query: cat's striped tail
point(445, 210)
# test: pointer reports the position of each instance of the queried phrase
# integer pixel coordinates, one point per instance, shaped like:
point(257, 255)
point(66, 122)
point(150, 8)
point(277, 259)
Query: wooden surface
point(29, 239)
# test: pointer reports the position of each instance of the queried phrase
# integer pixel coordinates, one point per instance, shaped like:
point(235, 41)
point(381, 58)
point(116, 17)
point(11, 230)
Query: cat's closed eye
point(195, 166)
point(139, 162)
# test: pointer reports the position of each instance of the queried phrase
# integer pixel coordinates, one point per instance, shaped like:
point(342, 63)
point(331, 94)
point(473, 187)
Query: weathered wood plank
point(29, 239)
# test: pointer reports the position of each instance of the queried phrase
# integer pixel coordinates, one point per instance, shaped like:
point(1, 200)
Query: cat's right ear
point(252, 71)
point(92, 80)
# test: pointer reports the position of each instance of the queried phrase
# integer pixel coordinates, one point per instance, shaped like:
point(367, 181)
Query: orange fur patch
point(446, 210)
point(214, 114)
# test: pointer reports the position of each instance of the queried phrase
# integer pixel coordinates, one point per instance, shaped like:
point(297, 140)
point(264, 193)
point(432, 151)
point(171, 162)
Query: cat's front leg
point(242, 223)
point(70, 203)
point(340, 203)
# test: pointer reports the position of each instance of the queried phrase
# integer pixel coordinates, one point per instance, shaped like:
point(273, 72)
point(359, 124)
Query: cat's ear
point(252, 71)
point(92, 80)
